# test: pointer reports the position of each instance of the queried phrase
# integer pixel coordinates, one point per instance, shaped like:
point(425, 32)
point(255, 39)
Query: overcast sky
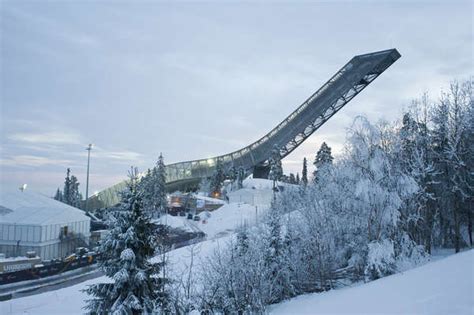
point(194, 80)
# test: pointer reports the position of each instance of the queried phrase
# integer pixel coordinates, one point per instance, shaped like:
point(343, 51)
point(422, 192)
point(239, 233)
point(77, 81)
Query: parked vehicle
point(197, 218)
point(190, 216)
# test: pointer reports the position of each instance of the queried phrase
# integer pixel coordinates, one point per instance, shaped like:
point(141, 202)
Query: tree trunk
point(469, 223)
point(457, 228)
point(428, 229)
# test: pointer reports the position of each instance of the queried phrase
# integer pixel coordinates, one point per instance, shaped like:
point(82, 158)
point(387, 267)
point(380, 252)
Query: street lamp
point(89, 148)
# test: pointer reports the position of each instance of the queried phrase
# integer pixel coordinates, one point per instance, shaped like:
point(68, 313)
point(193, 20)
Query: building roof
point(31, 208)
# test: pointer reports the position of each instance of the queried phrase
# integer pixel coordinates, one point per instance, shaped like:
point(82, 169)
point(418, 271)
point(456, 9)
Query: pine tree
point(323, 159)
point(304, 173)
point(59, 195)
point(240, 178)
point(159, 190)
point(67, 191)
point(217, 179)
point(233, 176)
point(242, 245)
point(153, 189)
point(146, 188)
point(276, 170)
point(292, 179)
point(70, 194)
point(126, 251)
point(297, 178)
point(75, 195)
point(275, 262)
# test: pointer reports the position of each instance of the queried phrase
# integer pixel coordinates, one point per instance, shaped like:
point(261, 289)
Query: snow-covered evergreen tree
point(233, 176)
point(126, 251)
point(322, 160)
point(153, 188)
point(75, 196)
point(276, 264)
point(58, 195)
point(217, 179)
point(304, 173)
point(70, 194)
point(276, 170)
point(240, 178)
point(159, 189)
point(67, 191)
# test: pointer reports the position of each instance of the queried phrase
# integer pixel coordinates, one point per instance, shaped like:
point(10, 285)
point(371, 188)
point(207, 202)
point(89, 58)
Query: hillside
point(441, 287)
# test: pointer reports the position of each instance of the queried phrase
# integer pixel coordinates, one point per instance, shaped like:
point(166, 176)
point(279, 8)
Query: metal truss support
point(340, 89)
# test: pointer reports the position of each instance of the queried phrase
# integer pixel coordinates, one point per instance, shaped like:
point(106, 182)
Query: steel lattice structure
point(342, 87)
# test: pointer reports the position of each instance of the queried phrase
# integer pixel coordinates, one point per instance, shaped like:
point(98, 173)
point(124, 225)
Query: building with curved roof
point(33, 222)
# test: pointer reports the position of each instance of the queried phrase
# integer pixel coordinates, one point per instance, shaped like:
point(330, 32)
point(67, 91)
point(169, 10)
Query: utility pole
point(89, 148)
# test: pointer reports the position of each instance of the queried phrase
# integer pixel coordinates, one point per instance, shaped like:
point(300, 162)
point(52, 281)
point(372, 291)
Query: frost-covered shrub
point(409, 254)
point(380, 259)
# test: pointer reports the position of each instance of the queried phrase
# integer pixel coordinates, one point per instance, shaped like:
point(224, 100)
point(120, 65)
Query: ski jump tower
point(342, 87)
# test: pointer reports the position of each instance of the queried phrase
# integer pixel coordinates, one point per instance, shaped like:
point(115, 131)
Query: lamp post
point(89, 148)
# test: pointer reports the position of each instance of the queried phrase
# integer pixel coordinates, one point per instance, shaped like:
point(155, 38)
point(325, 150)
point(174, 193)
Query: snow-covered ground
point(218, 227)
point(444, 286)
point(221, 221)
point(227, 218)
point(70, 300)
point(261, 183)
point(208, 199)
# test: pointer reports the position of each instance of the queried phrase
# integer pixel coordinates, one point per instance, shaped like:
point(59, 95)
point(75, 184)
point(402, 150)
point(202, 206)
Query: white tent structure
point(33, 222)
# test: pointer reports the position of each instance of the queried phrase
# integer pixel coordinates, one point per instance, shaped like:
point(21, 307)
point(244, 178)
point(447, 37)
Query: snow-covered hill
point(441, 287)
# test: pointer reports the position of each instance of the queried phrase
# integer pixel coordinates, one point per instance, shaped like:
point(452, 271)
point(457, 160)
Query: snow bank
point(262, 183)
point(176, 222)
point(64, 301)
point(229, 217)
point(71, 300)
point(441, 287)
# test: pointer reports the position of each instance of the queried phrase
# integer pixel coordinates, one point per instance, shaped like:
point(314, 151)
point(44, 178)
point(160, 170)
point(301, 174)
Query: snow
point(262, 183)
point(221, 221)
point(127, 254)
point(229, 217)
point(176, 222)
point(444, 286)
point(441, 287)
point(70, 300)
point(28, 207)
point(209, 199)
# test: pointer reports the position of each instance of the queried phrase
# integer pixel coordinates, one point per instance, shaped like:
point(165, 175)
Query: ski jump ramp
point(342, 87)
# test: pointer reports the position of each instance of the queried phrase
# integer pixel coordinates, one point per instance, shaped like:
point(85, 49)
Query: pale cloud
point(116, 76)
point(51, 27)
point(118, 155)
point(32, 160)
point(53, 137)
